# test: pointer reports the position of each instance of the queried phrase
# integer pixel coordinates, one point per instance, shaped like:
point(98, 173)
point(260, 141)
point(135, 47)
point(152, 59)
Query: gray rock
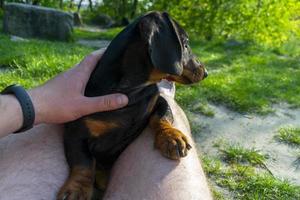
point(34, 21)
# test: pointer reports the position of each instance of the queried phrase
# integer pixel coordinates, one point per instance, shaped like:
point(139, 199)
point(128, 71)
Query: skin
point(33, 165)
point(61, 99)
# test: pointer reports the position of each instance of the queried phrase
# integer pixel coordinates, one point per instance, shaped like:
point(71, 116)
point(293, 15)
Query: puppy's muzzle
point(205, 73)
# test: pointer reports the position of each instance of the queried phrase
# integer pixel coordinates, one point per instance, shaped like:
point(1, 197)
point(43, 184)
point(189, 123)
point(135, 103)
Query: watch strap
point(26, 105)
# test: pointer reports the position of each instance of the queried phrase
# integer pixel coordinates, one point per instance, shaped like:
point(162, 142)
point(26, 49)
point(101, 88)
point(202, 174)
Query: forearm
point(60, 100)
point(11, 117)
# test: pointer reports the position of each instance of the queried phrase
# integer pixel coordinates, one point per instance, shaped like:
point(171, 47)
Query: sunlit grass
point(242, 172)
point(32, 63)
point(289, 135)
point(246, 78)
point(204, 109)
point(109, 34)
point(246, 183)
point(235, 153)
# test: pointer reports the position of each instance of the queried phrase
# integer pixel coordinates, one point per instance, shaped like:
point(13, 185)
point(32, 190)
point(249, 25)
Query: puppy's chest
point(111, 132)
point(100, 124)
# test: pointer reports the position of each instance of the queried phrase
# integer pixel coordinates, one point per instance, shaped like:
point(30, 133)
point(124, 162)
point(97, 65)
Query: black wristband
point(26, 105)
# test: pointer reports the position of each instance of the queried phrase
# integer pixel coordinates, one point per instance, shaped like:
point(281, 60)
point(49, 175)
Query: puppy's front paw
point(79, 185)
point(75, 191)
point(172, 143)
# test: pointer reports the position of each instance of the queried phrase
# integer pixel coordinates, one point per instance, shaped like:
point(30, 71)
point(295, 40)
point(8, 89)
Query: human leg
point(142, 173)
point(32, 164)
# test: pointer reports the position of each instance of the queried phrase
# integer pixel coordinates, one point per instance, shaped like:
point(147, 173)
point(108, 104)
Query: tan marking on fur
point(152, 103)
point(79, 183)
point(98, 128)
point(156, 76)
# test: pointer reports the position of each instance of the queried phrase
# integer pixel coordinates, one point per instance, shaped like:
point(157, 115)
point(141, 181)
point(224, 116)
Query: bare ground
point(251, 131)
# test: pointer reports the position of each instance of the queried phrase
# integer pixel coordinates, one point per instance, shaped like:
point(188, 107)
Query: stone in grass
point(17, 39)
point(30, 21)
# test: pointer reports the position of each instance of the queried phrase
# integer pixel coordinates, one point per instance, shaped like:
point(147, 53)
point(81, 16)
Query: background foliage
point(264, 21)
point(268, 22)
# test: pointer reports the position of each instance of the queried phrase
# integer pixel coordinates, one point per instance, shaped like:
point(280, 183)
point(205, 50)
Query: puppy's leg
point(102, 177)
point(170, 141)
point(79, 185)
point(101, 182)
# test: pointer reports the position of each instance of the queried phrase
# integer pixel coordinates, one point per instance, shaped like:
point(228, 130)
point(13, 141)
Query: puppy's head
point(151, 48)
point(169, 50)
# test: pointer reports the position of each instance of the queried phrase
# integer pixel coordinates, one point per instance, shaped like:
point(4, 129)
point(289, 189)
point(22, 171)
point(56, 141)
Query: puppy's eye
point(186, 43)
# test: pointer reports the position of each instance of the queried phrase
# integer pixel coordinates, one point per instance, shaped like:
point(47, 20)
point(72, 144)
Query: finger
point(103, 103)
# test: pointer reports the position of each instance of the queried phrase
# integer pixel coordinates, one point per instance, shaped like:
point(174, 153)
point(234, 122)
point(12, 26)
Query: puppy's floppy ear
point(164, 45)
point(112, 54)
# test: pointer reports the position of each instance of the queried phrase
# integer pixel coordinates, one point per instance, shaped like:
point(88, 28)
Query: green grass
point(235, 170)
point(237, 154)
point(80, 33)
point(245, 182)
point(204, 109)
point(246, 78)
point(289, 135)
point(32, 63)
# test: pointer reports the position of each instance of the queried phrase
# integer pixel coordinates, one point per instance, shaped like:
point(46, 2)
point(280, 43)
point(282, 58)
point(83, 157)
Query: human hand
point(62, 98)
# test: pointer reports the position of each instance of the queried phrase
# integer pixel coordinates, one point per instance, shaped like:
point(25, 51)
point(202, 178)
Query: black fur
point(153, 41)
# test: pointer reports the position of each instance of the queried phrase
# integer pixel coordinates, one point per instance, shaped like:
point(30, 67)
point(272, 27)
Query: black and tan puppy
point(152, 48)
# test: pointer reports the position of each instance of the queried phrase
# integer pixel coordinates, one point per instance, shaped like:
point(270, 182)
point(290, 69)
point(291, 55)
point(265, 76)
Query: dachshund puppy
point(152, 48)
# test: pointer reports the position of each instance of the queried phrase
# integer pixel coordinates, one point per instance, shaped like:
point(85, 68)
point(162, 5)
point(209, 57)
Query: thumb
point(103, 103)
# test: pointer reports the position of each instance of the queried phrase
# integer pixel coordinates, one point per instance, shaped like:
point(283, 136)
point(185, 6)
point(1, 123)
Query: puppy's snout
point(205, 73)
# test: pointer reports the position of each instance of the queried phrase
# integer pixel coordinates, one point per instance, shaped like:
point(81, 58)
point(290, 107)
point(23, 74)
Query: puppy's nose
point(205, 73)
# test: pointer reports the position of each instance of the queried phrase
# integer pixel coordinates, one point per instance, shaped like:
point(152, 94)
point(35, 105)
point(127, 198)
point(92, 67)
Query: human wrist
point(10, 105)
point(36, 98)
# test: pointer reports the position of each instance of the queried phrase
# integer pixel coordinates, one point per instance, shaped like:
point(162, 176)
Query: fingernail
point(122, 100)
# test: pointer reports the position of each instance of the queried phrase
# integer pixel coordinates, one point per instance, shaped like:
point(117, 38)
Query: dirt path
point(251, 131)
point(94, 43)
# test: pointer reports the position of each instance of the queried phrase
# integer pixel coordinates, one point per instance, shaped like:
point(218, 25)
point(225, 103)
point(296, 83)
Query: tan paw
point(79, 185)
point(172, 143)
point(75, 192)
